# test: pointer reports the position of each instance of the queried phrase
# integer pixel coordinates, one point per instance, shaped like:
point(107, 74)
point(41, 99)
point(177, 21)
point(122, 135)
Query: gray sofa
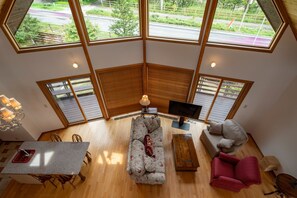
point(141, 167)
point(230, 130)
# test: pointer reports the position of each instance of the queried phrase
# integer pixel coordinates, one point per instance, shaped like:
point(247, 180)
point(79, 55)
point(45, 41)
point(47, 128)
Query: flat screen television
point(183, 109)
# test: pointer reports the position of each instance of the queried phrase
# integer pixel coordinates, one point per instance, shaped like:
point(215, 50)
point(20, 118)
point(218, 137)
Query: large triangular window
point(252, 23)
point(35, 23)
point(111, 20)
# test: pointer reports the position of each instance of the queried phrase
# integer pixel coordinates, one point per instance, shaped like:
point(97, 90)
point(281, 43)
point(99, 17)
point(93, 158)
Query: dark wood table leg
point(83, 178)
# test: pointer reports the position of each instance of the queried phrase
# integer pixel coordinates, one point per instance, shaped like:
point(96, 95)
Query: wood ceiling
point(290, 6)
point(1, 5)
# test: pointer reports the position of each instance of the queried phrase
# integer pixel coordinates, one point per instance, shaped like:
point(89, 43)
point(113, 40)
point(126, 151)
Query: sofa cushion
point(233, 130)
point(136, 158)
point(215, 128)
point(139, 129)
point(157, 137)
point(156, 164)
point(225, 143)
point(149, 164)
point(151, 123)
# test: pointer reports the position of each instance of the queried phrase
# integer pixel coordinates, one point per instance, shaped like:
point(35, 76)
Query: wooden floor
point(107, 176)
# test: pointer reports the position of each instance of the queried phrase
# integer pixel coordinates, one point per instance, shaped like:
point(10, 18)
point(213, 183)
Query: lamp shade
point(6, 114)
point(144, 101)
point(4, 100)
point(15, 104)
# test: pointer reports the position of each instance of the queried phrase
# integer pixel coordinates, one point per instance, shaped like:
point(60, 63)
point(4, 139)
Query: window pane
point(111, 19)
point(205, 92)
point(176, 19)
point(245, 23)
point(84, 91)
point(63, 96)
point(37, 23)
point(225, 100)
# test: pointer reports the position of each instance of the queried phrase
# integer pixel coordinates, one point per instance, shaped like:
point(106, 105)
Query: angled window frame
point(273, 43)
point(112, 40)
point(6, 11)
point(176, 40)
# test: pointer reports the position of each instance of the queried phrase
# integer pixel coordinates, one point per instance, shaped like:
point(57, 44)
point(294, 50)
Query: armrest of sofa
point(228, 158)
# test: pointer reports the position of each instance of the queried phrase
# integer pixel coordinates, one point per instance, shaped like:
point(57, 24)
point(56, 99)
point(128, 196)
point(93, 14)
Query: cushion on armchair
point(215, 128)
point(247, 170)
point(233, 130)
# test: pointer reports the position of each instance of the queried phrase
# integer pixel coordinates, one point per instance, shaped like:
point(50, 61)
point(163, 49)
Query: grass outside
point(57, 6)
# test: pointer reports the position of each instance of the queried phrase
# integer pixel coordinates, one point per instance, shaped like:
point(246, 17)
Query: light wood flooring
point(107, 176)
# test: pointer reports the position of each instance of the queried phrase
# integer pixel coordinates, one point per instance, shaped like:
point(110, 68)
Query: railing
point(84, 87)
point(228, 89)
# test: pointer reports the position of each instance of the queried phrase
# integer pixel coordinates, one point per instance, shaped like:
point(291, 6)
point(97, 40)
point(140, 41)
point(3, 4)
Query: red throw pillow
point(148, 144)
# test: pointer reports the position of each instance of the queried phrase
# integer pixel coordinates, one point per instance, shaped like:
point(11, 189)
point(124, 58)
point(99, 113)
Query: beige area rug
point(7, 149)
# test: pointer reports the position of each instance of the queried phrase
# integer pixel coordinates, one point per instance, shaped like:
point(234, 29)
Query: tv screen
point(184, 109)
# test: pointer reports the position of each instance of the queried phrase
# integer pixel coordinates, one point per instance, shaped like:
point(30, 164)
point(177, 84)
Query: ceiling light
point(213, 64)
point(75, 65)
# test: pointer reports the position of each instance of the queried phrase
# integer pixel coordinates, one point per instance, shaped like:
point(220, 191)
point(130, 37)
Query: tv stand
point(180, 124)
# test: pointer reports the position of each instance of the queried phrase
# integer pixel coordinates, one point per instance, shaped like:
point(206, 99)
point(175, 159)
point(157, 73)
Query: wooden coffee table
point(185, 157)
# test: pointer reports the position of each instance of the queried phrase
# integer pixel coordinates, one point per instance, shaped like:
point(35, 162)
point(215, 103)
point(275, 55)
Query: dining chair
point(66, 178)
point(55, 138)
point(77, 138)
point(44, 178)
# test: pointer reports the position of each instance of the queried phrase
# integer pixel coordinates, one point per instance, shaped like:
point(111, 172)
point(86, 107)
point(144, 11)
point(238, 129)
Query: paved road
point(155, 29)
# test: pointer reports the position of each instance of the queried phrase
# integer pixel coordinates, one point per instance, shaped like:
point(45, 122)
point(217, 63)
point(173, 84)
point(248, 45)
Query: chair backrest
point(76, 138)
point(55, 138)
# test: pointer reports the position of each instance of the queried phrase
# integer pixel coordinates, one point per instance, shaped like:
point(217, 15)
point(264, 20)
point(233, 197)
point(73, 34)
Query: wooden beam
point(202, 49)
point(74, 5)
point(144, 38)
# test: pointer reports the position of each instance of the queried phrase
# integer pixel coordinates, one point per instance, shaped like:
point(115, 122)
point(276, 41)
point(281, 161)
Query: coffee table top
point(185, 156)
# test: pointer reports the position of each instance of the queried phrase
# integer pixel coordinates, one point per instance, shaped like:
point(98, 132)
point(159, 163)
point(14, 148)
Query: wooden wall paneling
point(121, 88)
point(290, 11)
point(168, 83)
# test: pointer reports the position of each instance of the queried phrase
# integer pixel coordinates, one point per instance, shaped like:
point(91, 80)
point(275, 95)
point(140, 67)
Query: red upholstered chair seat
point(233, 174)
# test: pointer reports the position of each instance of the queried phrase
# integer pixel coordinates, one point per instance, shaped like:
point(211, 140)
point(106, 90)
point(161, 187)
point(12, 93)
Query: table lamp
point(144, 101)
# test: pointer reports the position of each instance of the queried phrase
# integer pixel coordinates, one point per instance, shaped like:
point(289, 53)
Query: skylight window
point(253, 23)
point(113, 19)
point(181, 19)
point(41, 23)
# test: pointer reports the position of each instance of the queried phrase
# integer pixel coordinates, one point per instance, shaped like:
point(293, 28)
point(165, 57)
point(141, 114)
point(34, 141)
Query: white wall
point(116, 54)
point(173, 54)
point(277, 132)
point(272, 74)
point(20, 72)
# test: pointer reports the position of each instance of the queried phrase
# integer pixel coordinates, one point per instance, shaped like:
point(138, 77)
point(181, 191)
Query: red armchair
point(234, 174)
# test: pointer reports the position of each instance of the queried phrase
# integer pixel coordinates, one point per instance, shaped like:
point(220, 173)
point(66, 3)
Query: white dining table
point(50, 158)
